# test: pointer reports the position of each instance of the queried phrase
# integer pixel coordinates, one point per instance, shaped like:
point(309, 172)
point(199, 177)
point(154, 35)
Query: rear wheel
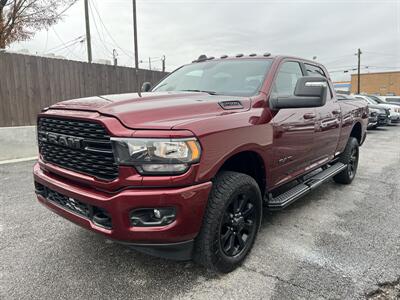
point(231, 222)
point(350, 158)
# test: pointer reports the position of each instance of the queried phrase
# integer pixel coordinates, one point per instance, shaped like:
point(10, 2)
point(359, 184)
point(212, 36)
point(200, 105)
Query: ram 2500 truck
point(183, 170)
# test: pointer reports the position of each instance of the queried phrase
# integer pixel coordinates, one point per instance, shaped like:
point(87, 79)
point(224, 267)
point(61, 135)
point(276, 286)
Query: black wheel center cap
point(238, 222)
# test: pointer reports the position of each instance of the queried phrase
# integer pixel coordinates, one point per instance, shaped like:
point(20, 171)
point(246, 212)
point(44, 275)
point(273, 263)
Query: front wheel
point(349, 157)
point(231, 222)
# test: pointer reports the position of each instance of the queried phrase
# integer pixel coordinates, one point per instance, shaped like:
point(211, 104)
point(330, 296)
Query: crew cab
point(184, 170)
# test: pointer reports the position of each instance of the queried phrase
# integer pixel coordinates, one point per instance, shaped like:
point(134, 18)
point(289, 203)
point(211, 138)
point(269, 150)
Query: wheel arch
point(356, 132)
point(248, 162)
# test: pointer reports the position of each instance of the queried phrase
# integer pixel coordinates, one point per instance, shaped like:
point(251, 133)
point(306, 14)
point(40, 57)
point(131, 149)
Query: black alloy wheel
point(353, 162)
point(238, 224)
point(231, 222)
point(349, 157)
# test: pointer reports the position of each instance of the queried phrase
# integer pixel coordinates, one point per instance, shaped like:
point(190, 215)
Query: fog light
point(150, 217)
point(157, 213)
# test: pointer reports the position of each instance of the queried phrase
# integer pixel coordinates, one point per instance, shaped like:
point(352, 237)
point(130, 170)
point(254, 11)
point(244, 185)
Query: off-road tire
point(209, 250)
point(347, 157)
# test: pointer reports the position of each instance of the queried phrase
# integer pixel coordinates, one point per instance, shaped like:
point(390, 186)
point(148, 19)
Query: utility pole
point(115, 54)
point(358, 72)
point(163, 63)
point(149, 63)
point(88, 39)
point(136, 46)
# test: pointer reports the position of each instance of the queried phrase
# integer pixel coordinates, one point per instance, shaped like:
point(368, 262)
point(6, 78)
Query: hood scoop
point(233, 104)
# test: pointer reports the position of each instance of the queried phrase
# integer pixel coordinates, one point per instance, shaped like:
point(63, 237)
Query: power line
point(66, 47)
point(66, 9)
point(378, 53)
point(97, 29)
point(109, 34)
point(68, 43)
point(338, 58)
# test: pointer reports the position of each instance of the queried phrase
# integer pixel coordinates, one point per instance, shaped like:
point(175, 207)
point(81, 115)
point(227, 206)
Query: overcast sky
point(330, 30)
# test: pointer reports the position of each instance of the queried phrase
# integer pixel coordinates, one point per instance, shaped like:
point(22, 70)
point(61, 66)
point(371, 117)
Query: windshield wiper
point(200, 91)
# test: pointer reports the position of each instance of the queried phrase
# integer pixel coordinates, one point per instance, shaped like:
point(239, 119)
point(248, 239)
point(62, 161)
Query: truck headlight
point(152, 156)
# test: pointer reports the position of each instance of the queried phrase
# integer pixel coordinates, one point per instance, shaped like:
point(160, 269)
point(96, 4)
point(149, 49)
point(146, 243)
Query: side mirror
point(309, 92)
point(146, 87)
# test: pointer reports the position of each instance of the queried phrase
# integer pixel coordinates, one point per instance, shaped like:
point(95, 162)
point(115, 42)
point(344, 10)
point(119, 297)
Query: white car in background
point(390, 99)
point(394, 110)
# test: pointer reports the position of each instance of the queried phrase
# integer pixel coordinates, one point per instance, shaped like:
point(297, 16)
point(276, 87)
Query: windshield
point(376, 99)
point(236, 77)
point(369, 100)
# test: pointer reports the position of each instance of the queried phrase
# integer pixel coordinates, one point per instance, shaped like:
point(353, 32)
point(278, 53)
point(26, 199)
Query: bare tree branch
point(21, 19)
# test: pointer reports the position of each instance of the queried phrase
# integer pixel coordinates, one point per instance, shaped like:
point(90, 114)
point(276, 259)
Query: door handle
point(336, 112)
point(308, 116)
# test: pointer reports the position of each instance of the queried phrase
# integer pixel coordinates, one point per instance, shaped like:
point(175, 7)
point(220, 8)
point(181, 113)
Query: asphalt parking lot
point(339, 242)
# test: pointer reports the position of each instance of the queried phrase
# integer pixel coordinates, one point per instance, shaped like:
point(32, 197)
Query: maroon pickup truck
point(183, 170)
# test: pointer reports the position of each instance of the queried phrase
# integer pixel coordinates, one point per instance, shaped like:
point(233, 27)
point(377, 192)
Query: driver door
point(294, 128)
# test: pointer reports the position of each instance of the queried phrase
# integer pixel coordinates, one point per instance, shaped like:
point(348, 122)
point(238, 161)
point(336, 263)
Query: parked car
point(391, 99)
point(183, 170)
point(378, 116)
point(394, 110)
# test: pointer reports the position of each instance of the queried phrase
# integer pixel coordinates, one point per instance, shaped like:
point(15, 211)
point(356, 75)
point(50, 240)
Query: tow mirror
point(309, 92)
point(146, 87)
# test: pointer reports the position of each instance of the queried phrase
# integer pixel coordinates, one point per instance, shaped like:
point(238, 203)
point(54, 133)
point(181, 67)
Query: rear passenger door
point(294, 128)
point(328, 120)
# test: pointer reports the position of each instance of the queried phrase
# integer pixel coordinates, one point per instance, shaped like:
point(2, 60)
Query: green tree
point(21, 19)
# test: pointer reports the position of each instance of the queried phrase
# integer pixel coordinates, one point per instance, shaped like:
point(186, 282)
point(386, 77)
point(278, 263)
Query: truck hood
point(160, 110)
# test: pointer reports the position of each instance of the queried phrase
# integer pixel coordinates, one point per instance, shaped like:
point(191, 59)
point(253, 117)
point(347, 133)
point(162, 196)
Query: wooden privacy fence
point(30, 83)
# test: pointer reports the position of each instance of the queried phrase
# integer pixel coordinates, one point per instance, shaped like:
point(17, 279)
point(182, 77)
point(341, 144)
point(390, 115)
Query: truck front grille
point(80, 146)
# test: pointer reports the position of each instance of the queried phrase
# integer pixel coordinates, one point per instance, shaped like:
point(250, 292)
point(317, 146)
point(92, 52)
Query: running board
point(288, 197)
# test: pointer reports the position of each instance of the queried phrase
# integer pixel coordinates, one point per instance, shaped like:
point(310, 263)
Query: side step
point(288, 197)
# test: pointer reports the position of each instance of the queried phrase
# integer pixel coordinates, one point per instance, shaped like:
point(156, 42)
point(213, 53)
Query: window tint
point(314, 71)
point(286, 79)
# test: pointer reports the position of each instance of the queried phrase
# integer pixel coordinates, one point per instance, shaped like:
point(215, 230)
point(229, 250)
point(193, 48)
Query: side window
point(314, 71)
point(286, 79)
point(318, 72)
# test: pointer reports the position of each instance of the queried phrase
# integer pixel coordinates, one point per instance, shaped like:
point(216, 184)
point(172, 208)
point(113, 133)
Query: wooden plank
point(31, 83)
point(5, 101)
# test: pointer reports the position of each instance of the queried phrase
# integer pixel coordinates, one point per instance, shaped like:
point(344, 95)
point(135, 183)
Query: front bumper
point(372, 121)
point(190, 203)
point(394, 117)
